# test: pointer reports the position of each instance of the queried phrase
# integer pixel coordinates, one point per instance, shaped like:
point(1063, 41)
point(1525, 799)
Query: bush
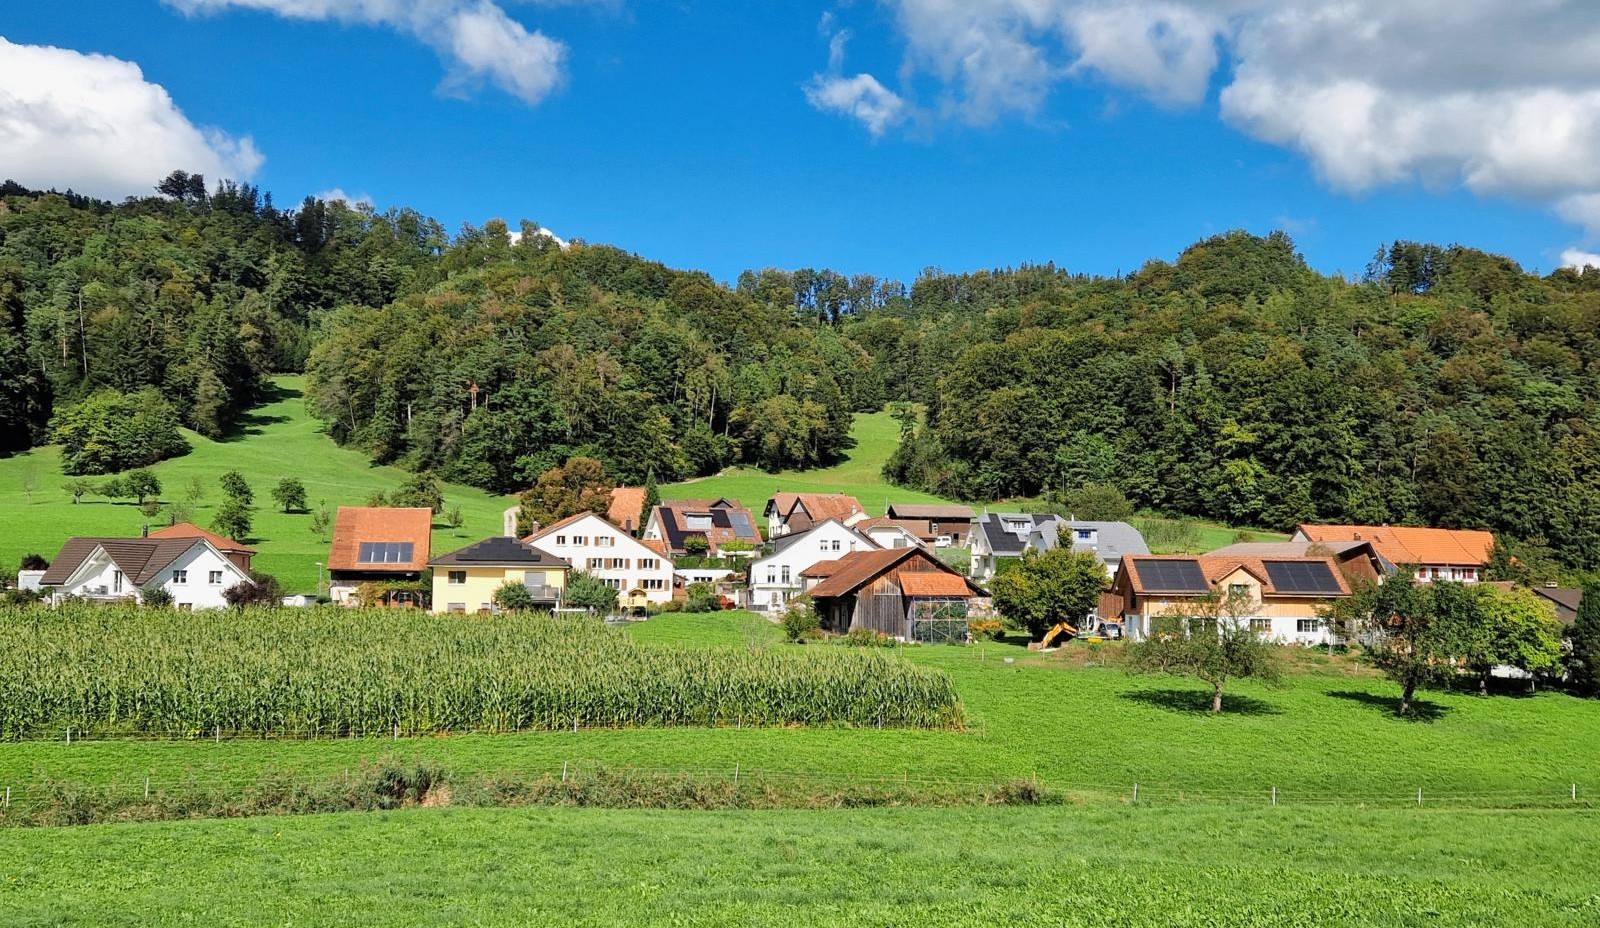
point(156, 598)
point(111, 432)
point(867, 638)
point(800, 621)
point(702, 597)
point(513, 597)
point(985, 629)
point(585, 591)
point(262, 590)
point(672, 605)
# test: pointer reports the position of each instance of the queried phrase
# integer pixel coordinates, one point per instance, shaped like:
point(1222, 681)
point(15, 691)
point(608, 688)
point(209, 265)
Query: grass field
point(278, 439)
point(1329, 735)
point(1128, 868)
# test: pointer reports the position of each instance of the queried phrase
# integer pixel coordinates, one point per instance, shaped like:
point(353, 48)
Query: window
point(458, 608)
point(1085, 534)
point(561, 539)
point(777, 599)
point(580, 540)
point(486, 608)
point(214, 578)
point(772, 575)
point(614, 584)
point(1471, 573)
point(1238, 589)
point(604, 541)
point(822, 545)
point(457, 578)
point(836, 544)
point(698, 523)
point(116, 581)
point(618, 563)
point(1262, 627)
point(786, 573)
point(655, 584)
point(186, 607)
point(597, 563)
point(385, 552)
point(180, 576)
point(648, 563)
point(1308, 626)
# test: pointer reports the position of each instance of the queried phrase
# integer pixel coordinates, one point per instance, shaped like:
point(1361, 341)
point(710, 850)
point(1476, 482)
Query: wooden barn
point(904, 593)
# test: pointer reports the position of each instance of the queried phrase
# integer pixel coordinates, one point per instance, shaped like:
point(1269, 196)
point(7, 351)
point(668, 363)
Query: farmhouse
point(1000, 536)
point(466, 580)
point(378, 545)
point(720, 522)
point(941, 525)
point(787, 513)
point(1280, 595)
point(640, 574)
point(1436, 553)
point(905, 593)
point(190, 569)
point(1357, 560)
point(775, 579)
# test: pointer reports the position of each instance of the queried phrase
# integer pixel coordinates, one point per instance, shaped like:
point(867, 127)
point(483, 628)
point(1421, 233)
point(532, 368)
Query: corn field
point(336, 672)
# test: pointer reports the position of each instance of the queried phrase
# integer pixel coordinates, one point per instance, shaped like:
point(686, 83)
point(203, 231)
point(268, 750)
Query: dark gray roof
point(1568, 599)
point(501, 551)
point(1002, 541)
point(1112, 539)
point(922, 511)
point(139, 559)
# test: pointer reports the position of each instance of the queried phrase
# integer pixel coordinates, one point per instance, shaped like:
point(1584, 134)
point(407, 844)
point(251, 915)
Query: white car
point(943, 541)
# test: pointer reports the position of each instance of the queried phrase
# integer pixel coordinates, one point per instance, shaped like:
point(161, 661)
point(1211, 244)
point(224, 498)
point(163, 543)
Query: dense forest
point(1446, 386)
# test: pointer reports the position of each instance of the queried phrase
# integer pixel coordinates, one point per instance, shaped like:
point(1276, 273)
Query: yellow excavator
point(1099, 631)
point(1056, 631)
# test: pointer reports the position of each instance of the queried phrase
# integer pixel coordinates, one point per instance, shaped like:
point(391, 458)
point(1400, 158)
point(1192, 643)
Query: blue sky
point(685, 131)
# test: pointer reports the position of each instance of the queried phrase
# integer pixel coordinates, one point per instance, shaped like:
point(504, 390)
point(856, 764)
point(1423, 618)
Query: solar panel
point(385, 552)
point(741, 524)
point(1313, 577)
point(1171, 576)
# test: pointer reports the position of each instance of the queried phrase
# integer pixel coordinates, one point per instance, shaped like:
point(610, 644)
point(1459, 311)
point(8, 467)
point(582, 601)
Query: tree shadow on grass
point(1198, 702)
point(252, 423)
point(1421, 709)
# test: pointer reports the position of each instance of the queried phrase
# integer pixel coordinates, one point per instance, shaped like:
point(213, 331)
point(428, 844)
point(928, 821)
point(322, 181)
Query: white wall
point(198, 592)
point(595, 532)
point(826, 542)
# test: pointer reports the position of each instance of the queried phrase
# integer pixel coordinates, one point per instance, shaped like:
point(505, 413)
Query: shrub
point(702, 597)
point(156, 598)
point(262, 590)
point(696, 545)
point(985, 629)
point(513, 597)
point(800, 621)
point(111, 432)
point(867, 638)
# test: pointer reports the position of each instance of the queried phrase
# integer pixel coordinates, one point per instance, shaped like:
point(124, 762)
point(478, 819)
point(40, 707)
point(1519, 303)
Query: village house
point(775, 578)
point(940, 525)
point(467, 580)
point(239, 554)
point(727, 528)
point(1357, 560)
point(889, 533)
point(787, 513)
point(379, 545)
point(997, 537)
point(905, 593)
point(188, 567)
point(1436, 553)
point(640, 574)
point(1279, 597)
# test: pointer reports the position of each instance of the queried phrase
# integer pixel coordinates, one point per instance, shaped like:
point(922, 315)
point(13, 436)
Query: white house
point(999, 536)
point(639, 573)
point(775, 578)
point(192, 570)
point(888, 533)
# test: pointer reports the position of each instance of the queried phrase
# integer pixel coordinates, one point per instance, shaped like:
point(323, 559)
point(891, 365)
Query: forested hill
point(1445, 387)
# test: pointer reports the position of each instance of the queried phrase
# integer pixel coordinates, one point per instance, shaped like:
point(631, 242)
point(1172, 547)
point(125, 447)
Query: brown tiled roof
point(1215, 569)
point(923, 511)
point(626, 505)
point(356, 524)
point(935, 584)
point(186, 530)
point(859, 567)
point(1399, 544)
point(674, 517)
point(820, 506)
point(558, 524)
point(139, 559)
point(821, 569)
point(904, 525)
point(656, 545)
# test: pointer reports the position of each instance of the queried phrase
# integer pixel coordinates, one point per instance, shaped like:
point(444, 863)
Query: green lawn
point(1330, 733)
point(279, 439)
point(861, 475)
point(1127, 868)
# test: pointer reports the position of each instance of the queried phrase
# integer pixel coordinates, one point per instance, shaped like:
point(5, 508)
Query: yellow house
point(466, 580)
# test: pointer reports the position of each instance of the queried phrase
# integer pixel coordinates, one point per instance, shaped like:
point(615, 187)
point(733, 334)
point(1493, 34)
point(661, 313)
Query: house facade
point(889, 533)
point(938, 525)
point(905, 593)
point(239, 554)
point(467, 580)
point(1460, 555)
point(775, 578)
point(789, 513)
point(721, 522)
point(378, 544)
point(997, 537)
point(191, 570)
point(1280, 598)
point(641, 575)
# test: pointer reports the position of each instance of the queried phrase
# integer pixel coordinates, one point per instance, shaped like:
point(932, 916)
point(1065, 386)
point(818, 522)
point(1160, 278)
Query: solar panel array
point(1314, 577)
point(1164, 576)
point(741, 524)
point(385, 552)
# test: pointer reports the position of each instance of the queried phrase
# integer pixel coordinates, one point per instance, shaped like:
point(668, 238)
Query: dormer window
point(698, 521)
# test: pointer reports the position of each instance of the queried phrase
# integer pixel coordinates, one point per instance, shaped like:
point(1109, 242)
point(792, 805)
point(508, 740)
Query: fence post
point(147, 787)
point(69, 734)
point(1135, 792)
point(563, 771)
point(1419, 795)
point(1574, 792)
point(8, 797)
point(735, 776)
point(1274, 795)
point(397, 732)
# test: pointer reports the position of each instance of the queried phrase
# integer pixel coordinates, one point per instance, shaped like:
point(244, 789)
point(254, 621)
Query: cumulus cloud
point(1502, 99)
point(861, 97)
point(478, 40)
point(1574, 257)
point(337, 193)
point(94, 124)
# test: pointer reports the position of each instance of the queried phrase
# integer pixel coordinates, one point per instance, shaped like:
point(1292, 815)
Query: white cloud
point(479, 42)
point(1502, 99)
point(94, 124)
point(337, 193)
point(1579, 259)
point(860, 97)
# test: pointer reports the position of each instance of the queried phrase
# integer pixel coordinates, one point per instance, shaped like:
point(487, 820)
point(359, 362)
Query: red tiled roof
point(356, 524)
point(935, 584)
point(822, 506)
point(1399, 544)
point(186, 530)
point(1215, 569)
point(626, 505)
point(821, 569)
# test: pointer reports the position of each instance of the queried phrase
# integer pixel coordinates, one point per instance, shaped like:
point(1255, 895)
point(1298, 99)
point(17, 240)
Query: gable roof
point(353, 525)
point(1400, 544)
point(1215, 569)
point(858, 568)
point(822, 569)
point(824, 506)
point(728, 522)
point(784, 542)
point(627, 508)
point(140, 559)
point(499, 551)
point(931, 584)
point(188, 530)
point(923, 511)
point(649, 547)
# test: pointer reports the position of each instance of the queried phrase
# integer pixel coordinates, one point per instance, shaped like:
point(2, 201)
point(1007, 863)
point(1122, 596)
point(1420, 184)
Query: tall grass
point(333, 672)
